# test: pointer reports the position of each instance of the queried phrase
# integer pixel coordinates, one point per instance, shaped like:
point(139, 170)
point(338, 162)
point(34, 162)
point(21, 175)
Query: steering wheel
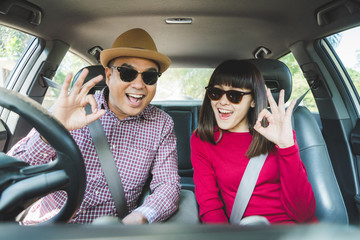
point(21, 184)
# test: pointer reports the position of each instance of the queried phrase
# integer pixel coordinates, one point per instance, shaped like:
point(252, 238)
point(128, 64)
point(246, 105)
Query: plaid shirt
point(140, 145)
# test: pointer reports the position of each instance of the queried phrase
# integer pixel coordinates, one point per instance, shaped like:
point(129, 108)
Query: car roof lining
point(276, 26)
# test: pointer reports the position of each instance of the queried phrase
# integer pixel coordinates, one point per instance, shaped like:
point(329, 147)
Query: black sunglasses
point(129, 74)
point(232, 95)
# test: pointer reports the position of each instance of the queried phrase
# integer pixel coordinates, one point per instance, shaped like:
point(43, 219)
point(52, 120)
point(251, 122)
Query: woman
point(234, 126)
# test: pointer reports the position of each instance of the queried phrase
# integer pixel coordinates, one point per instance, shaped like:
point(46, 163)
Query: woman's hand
point(69, 107)
point(279, 130)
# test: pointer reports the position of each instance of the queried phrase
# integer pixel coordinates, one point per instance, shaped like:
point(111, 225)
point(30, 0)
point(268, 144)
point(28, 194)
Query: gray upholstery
point(187, 212)
point(276, 75)
point(185, 121)
point(330, 206)
point(183, 130)
point(93, 72)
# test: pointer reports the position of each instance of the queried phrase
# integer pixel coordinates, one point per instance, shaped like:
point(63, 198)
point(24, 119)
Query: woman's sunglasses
point(232, 95)
point(129, 74)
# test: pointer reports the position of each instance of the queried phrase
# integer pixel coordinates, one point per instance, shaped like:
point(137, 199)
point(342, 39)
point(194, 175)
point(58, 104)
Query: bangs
point(240, 81)
point(234, 73)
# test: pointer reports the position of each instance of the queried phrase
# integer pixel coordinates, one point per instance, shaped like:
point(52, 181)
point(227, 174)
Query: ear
point(108, 74)
point(252, 104)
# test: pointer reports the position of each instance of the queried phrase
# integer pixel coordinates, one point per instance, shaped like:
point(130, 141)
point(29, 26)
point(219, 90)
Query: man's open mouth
point(135, 98)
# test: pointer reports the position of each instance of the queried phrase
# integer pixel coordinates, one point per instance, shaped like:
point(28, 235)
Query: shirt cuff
point(149, 213)
point(289, 150)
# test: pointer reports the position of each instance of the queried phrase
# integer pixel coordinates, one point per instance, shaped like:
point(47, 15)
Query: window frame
point(342, 73)
point(22, 67)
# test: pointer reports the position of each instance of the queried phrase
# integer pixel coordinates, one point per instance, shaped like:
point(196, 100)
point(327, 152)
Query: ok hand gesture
point(279, 130)
point(69, 107)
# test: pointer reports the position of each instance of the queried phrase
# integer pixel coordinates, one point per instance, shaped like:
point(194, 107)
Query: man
point(141, 137)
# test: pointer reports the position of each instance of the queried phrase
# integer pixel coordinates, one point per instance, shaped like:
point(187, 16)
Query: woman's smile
point(225, 114)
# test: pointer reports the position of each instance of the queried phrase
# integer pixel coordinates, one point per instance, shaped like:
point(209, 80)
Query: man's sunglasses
point(232, 95)
point(129, 74)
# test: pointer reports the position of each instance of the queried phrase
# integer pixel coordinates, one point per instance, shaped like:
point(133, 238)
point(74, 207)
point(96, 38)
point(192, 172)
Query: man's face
point(129, 98)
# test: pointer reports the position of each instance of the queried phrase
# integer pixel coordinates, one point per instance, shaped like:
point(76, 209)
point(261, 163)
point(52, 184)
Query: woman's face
point(230, 116)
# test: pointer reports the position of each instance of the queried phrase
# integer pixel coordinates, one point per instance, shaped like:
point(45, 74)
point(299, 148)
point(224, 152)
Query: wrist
point(144, 219)
point(286, 144)
point(135, 217)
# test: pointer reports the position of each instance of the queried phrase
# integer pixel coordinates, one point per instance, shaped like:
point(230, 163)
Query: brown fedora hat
point(135, 43)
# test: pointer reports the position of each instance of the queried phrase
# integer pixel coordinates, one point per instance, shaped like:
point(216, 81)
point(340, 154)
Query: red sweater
point(282, 193)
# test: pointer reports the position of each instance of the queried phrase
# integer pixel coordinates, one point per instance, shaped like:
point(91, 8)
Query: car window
point(189, 84)
point(183, 84)
point(70, 64)
point(346, 46)
point(300, 85)
point(13, 45)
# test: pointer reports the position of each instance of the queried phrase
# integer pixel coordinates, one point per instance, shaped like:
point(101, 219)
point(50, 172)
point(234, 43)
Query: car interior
point(194, 34)
point(330, 205)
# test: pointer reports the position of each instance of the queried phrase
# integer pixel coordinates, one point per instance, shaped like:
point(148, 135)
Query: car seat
point(330, 206)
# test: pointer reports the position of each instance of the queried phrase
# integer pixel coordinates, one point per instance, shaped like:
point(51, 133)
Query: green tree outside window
point(13, 44)
point(300, 85)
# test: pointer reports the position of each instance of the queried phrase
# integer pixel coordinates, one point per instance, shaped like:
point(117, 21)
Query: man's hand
point(69, 107)
point(135, 218)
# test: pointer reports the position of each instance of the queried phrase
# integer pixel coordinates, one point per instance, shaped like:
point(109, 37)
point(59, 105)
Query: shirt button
point(97, 192)
point(84, 212)
point(114, 146)
point(45, 154)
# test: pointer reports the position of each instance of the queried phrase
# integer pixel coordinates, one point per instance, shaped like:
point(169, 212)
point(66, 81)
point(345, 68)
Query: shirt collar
point(103, 97)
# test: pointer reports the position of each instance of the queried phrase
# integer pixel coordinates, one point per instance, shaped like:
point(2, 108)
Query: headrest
point(277, 76)
point(93, 72)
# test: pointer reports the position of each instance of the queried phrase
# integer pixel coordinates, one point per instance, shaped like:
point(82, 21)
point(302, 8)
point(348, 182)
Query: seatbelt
point(298, 101)
point(50, 83)
point(246, 188)
point(108, 165)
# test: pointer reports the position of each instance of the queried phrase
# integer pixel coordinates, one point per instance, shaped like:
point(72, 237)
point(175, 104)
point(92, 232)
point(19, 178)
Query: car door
point(343, 50)
point(332, 65)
